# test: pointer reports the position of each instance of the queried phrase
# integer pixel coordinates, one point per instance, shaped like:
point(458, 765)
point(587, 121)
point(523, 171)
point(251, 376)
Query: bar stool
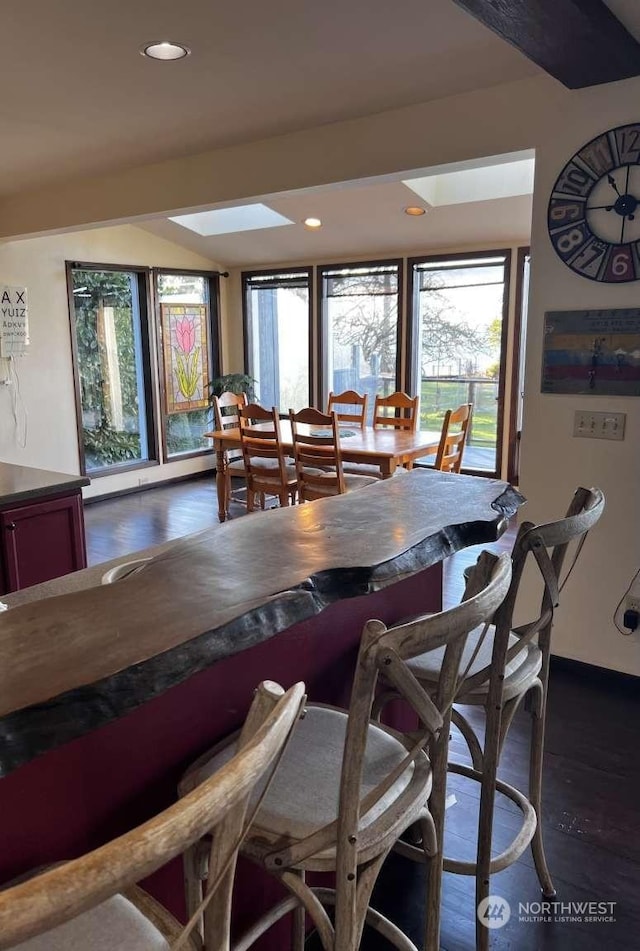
point(347, 789)
point(91, 902)
point(500, 666)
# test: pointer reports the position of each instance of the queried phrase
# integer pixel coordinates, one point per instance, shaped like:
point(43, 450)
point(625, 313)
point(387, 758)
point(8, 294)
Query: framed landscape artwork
point(592, 352)
point(186, 356)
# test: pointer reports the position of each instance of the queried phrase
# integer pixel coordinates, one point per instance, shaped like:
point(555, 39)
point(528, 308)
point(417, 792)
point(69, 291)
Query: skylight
point(230, 220)
point(505, 180)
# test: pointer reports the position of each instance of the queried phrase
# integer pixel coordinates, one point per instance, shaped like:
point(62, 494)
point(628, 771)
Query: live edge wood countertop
point(70, 654)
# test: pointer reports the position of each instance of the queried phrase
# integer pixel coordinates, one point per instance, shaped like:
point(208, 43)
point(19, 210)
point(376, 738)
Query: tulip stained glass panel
point(186, 356)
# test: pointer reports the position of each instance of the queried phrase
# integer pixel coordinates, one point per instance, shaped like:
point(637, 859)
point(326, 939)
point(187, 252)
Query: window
point(189, 357)
point(458, 353)
point(360, 307)
point(110, 334)
point(277, 317)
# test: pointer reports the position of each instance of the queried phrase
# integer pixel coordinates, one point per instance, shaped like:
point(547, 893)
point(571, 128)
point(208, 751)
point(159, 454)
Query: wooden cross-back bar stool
point(499, 668)
point(347, 789)
point(92, 903)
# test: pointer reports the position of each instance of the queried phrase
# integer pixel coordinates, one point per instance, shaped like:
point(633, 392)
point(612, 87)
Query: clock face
point(594, 210)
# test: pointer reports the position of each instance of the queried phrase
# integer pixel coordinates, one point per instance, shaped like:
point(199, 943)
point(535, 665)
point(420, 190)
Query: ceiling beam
point(579, 42)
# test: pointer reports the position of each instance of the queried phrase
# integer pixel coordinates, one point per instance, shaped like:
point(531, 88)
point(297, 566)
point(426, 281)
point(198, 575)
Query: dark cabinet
point(40, 540)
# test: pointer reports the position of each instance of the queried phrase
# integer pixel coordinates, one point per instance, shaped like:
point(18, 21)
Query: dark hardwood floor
point(592, 773)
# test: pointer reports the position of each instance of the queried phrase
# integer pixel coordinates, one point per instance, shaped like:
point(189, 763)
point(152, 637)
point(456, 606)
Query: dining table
point(109, 690)
point(384, 447)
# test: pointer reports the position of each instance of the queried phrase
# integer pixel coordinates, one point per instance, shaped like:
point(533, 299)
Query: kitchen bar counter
point(109, 692)
point(213, 594)
point(24, 484)
point(41, 526)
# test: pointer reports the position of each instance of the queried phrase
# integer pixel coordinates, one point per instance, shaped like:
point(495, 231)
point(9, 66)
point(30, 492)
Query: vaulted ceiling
point(80, 101)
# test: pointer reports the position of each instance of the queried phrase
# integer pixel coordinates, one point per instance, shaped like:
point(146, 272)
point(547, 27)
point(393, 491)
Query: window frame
point(247, 328)
point(322, 347)
point(412, 336)
point(517, 379)
point(213, 284)
point(147, 347)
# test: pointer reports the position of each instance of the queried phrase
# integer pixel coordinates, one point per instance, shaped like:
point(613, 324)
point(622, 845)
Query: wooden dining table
point(385, 448)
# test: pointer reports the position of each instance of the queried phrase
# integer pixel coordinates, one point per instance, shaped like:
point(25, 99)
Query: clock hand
point(624, 221)
point(626, 184)
point(613, 184)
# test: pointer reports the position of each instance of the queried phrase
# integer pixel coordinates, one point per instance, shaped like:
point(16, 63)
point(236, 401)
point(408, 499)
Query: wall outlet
point(632, 597)
point(590, 425)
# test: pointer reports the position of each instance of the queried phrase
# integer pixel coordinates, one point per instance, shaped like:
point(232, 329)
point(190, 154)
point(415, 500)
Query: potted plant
point(233, 383)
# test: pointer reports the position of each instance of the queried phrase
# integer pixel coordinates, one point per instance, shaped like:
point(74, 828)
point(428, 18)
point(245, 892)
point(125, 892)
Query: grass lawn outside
point(437, 396)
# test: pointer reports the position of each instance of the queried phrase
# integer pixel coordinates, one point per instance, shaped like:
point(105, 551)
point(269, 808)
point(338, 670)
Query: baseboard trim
point(603, 676)
point(132, 490)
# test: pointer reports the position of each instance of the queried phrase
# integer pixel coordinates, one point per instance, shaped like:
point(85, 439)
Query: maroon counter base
point(73, 798)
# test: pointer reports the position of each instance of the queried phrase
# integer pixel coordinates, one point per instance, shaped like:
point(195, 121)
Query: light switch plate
point(591, 425)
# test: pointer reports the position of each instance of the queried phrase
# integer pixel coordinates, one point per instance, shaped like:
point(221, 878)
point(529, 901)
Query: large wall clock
point(594, 210)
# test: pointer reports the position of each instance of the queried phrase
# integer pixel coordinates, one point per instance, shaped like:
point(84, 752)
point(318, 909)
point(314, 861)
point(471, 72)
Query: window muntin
point(277, 314)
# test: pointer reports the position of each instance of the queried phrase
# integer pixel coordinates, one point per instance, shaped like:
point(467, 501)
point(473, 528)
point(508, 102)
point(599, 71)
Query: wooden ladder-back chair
point(266, 467)
point(226, 415)
point(501, 666)
point(92, 902)
point(398, 411)
point(317, 455)
point(453, 441)
point(356, 414)
point(347, 788)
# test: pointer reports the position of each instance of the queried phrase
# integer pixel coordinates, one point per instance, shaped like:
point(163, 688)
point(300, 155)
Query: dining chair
point(226, 410)
point(92, 902)
point(398, 410)
point(356, 414)
point(265, 463)
point(347, 788)
point(453, 440)
point(318, 457)
point(500, 667)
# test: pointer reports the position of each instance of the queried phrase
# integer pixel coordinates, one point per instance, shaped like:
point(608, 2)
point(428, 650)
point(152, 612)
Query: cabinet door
point(42, 540)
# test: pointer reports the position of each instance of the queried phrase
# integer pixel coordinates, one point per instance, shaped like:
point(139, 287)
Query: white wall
point(553, 461)
point(45, 374)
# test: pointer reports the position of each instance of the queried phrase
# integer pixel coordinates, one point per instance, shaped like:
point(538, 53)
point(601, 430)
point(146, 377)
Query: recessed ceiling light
point(415, 211)
point(164, 50)
point(312, 223)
